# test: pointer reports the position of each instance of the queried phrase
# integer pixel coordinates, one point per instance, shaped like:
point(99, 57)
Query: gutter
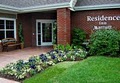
point(72, 4)
point(16, 10)
point(94, 7)
point(9, 8)
point(44, 7)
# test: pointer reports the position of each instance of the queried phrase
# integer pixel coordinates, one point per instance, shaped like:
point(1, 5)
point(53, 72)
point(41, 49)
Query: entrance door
point(44, 32)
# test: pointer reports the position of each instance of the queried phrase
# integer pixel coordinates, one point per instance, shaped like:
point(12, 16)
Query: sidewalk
point(24, 54)
point(15, 55)
point(3, 80)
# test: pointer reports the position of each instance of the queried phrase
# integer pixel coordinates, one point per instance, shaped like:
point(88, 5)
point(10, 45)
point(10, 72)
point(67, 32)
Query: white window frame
point(9, 19)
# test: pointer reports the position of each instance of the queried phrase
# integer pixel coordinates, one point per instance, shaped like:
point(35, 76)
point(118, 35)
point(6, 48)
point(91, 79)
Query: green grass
point(49, 73)
point(97, 69)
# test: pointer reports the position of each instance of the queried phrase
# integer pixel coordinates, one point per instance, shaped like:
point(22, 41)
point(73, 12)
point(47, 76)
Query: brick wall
point(25, 19)
point(29, 25)
point(43, 16)
point(63, 26)
point(65, 20)
point(79, 19)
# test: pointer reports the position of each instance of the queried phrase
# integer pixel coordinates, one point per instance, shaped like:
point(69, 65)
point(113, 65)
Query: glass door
point(44, 32)
point(47, 34)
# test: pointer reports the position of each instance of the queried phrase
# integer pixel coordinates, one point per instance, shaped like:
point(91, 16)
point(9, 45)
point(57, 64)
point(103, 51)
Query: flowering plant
point(23, 69)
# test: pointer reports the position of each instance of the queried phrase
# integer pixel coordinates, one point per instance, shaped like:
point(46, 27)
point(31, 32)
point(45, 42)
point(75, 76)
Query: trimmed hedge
point(78, 36)
point(105, 42)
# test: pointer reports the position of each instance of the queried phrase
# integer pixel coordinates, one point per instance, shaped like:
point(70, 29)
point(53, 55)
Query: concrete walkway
point(3, 80)
point(15, 55)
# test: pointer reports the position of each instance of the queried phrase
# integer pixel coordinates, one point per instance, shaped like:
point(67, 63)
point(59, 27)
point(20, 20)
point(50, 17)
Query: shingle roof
point(22, 6)
point(96, 2)
point(29, 3)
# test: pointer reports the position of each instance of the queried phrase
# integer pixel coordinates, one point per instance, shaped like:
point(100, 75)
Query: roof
point(29, 3)
point(23, 6)
point(96, 4)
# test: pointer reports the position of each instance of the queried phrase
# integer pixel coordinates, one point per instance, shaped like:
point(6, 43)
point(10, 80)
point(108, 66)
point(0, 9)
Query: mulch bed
point(10, 77)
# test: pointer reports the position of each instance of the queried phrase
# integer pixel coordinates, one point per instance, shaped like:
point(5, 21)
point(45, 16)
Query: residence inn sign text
point(102, 18)
point(102, 21)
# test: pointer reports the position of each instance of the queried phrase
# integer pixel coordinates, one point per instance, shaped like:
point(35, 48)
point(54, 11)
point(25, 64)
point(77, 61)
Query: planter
point(22, 45)
point(54, 46)
point(78, 59)
point(69, 59)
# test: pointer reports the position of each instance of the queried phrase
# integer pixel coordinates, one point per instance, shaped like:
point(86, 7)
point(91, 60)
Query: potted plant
point(54, 34)
point(21, 37)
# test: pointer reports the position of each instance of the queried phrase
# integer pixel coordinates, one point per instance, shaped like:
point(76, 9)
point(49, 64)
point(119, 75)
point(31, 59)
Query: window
point(7, 28)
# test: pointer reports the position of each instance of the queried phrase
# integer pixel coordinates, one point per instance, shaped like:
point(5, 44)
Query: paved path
point(3, 80)
point(15, 55)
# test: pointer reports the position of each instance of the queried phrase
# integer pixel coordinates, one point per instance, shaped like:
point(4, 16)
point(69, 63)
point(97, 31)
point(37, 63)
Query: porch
point(24, 54)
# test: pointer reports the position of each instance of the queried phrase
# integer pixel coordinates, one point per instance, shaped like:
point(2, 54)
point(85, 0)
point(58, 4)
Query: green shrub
point(105, 42)
point(78, 36)
point(59, 47)
point(119, 41)
point(20, 33)
point(66, 47)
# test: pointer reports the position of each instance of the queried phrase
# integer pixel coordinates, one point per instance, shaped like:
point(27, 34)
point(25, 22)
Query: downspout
point(72, 4)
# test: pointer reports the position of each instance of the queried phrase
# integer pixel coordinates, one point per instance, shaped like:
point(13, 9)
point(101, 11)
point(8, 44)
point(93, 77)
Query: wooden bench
point(9, 42)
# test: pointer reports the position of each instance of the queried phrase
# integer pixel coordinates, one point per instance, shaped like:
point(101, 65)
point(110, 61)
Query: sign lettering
point(103, 18)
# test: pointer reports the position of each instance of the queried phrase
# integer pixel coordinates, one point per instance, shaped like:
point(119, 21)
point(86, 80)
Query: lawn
point(94, 69)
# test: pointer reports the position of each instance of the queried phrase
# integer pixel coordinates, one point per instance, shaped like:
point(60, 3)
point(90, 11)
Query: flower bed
point(24, 69)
